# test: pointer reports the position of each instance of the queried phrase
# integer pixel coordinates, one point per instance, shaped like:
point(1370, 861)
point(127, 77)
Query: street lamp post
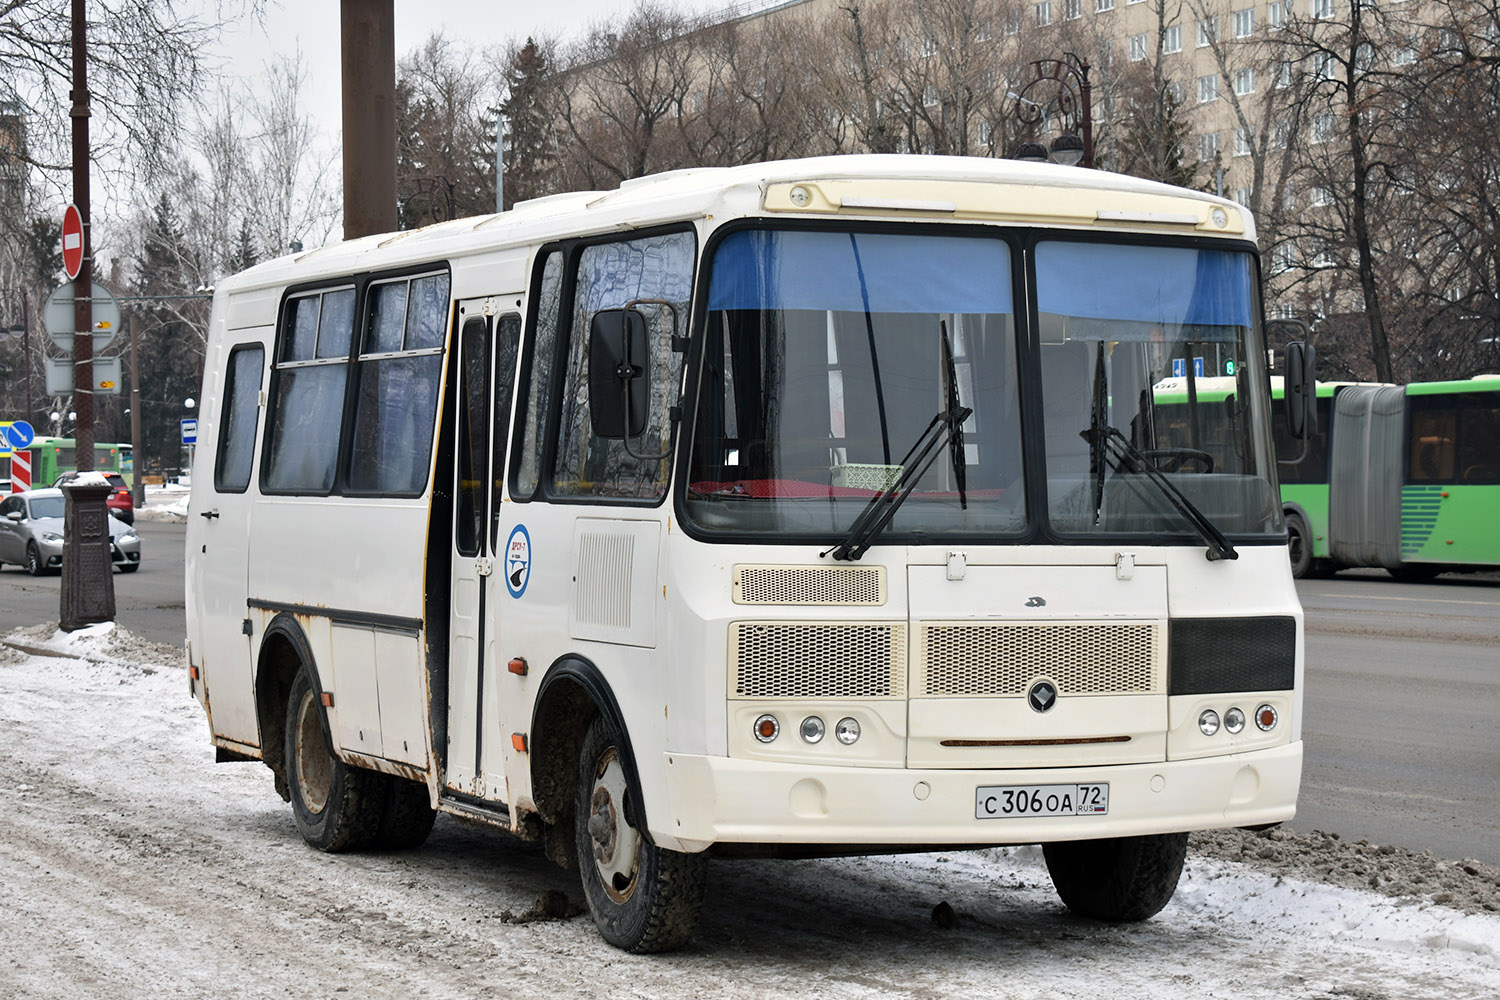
point(1060, 88)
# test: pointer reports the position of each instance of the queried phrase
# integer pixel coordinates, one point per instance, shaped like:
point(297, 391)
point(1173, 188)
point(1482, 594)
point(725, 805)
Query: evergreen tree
point(529, 147)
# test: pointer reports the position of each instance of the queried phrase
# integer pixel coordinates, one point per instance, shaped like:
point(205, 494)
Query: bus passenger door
point(486, 369)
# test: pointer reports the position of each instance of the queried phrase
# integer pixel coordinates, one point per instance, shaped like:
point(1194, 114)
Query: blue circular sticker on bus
point(517, 561)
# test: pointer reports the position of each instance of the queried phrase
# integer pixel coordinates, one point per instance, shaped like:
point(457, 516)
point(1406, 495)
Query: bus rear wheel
point(1120, 879)
point(643, 898)
point(336, 806)
point(1299, 546)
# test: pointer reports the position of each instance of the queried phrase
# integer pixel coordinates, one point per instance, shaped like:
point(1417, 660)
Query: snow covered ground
point(132, 866)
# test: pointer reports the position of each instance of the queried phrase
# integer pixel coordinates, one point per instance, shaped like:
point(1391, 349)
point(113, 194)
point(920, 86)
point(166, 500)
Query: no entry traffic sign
point(72, 241)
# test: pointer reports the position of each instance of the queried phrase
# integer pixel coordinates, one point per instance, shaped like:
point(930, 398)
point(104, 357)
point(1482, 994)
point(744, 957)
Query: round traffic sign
point(58, 317)
point(20, 435)
point(72, 241)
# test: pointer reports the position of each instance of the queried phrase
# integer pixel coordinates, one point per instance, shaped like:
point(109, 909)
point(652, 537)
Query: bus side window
point(507, 347)
point(652, 275)
point(400, 364)
point(246, 369)
point(536, 392)
point(307, 408)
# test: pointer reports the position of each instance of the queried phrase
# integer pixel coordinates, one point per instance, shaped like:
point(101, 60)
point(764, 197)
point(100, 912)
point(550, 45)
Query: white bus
point(809, 507)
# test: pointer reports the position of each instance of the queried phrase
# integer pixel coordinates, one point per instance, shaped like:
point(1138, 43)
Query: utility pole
point(83, 305)
point(137, 458)
point(367, 33)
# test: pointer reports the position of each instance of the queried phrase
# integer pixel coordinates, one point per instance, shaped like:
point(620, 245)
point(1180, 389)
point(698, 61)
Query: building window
point(1208, 31)
point(1072, 10)
point(1208, 88)
point(1242, 195)
point(1172, 39)
point(1284, 73)
point(1244, 81)
point(930, 96)
point(1208, 146)
point(1013, 22)
point(1322, 127)
point(1244, 22)
point(1323, 65)
point(1174, 91)
point(1284, 257)
point(1100, 6)
point(929, 47)
point(1242, 142)
point(1138, 47)
point(1275, 14)
point(1322, 9)
point(1404, 56)
point(986, 132)
point(1321, 197)
point(1044, 13)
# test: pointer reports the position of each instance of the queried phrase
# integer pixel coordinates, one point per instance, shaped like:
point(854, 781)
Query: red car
point(119, 501)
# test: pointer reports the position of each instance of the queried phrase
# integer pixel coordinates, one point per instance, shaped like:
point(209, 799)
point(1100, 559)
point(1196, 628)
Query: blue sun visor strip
point(1170, 287)
point(859, 272)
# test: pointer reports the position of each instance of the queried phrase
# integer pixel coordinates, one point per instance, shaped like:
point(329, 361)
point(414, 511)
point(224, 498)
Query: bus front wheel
point(337, 807)
point(1120, 879)
point(643, 898)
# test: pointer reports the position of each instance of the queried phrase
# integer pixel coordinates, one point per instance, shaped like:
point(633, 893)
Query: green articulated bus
point(52, 456)
point(1401, 477)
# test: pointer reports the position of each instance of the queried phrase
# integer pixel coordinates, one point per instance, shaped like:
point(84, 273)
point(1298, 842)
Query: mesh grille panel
point(808, 585)
point(812, 660)
point(970, 660)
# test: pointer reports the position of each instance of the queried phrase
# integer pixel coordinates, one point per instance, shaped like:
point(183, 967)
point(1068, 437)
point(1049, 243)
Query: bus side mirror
point(1299, 389)
point(618, 356)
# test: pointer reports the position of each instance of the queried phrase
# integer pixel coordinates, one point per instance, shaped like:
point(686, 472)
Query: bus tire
point(1298, 546)
point(643, 898)
point(34, 564)
point(406, 816)
point(1120, 879)
point(336, 806)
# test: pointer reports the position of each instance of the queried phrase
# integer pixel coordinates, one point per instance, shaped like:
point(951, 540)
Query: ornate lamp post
point(1064, 83)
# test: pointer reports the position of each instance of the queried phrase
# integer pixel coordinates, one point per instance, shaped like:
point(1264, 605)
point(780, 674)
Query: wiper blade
point(956, 455)
point(883, 506)
point(1129, 458)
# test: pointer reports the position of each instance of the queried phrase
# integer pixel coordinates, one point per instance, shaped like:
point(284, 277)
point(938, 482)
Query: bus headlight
point(813, 729)
point(767, 728)
point(1208, 722)
point(1234, 720)
point(847, 731)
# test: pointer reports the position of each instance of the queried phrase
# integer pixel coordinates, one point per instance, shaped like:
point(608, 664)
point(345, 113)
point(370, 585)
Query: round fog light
point(1265, 718)
point(847, 731)
point(1208, 722)
point(1234, 720)
point(812, 729)
point(767, 728)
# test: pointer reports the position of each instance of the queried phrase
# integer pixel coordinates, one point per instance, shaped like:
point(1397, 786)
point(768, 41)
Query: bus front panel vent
point(810, 585)
point(958, 660)
point(817, 660)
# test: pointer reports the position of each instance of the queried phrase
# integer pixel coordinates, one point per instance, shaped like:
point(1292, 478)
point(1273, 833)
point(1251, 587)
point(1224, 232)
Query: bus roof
point(1479, 383)
point(942, 188)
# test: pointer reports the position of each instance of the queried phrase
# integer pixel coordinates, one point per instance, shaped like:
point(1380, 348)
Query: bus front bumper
point(726, 800)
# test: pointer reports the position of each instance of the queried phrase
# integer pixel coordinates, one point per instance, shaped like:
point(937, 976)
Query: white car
point(31, 534)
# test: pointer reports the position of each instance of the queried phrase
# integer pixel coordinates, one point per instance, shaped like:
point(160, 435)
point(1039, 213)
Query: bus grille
point(969, 660)
point(818, 660)
point(806, 585)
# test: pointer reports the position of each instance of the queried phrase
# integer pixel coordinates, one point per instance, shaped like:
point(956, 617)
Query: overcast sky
point(314, 26)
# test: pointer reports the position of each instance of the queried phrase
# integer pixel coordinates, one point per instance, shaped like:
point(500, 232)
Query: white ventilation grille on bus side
point(1097, 658)
point(817, 660)
point(809, 585)
point(601, 593)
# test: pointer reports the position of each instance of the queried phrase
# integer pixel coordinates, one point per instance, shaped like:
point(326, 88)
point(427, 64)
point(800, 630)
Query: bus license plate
point(1012, 801)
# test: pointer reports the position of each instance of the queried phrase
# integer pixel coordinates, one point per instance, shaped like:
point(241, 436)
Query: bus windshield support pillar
point(88, 587)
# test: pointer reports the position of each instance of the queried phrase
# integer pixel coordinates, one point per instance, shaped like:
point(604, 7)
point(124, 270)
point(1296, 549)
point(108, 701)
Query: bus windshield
point(1157, 347)
point(827, 356)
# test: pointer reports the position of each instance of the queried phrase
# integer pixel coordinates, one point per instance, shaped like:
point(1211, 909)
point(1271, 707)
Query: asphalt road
point(1402, 714)
point(148, 602)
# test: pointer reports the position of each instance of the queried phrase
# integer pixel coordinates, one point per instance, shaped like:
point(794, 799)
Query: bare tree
point(445, 128)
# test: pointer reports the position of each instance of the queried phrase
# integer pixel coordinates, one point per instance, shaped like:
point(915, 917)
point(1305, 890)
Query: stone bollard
point(88, 583)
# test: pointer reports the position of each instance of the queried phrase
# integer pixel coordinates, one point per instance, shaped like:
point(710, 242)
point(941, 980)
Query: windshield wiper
point(883, 506)
point(956, 431)
point(1110, 442)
